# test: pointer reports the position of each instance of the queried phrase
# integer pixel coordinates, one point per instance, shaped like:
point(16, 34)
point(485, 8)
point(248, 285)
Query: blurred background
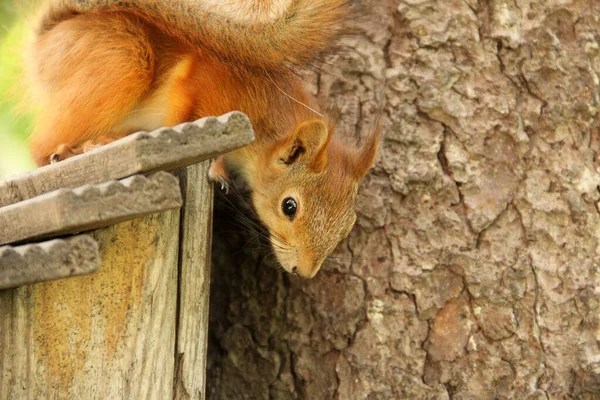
point(14, 126)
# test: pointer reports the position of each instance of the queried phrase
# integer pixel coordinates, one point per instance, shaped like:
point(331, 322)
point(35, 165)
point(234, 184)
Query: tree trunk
point(473, 271)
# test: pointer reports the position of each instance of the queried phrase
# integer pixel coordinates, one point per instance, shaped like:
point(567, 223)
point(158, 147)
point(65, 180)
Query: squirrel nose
point(307, 270)
point(305, 267)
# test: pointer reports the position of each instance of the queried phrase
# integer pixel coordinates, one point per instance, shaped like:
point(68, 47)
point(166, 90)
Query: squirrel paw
point(99, 142)
point(62, 153)
point(218, 174)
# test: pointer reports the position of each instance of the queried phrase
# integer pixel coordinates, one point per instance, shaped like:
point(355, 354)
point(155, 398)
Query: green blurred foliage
point(8, 12)
point(14, 126)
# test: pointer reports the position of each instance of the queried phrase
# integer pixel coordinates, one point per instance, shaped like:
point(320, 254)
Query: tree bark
point(473, 271)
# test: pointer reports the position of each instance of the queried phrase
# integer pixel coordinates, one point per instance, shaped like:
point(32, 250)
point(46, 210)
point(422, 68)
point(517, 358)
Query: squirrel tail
point(268, 34)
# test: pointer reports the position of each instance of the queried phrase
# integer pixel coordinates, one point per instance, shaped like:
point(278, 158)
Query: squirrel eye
point(289, 207)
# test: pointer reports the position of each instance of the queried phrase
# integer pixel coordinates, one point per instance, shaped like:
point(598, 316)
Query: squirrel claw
point(224, 185)
point(54, 158)
point(62, 153)
point(218, 174)
point(219, 180)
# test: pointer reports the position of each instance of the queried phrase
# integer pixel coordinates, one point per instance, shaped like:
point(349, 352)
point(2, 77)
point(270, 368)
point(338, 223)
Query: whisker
point(241, 197)
point(274, 242)
point(291, 98)
point(273, 233)
point(238, 210)
point(247, 228)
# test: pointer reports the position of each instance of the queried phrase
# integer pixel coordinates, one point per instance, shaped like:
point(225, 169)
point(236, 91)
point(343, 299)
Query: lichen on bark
point(474, 269)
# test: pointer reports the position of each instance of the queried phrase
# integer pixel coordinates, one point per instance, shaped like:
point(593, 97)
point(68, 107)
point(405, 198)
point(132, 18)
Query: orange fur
point(103, 66)
point(90, 73)
point(266, 34)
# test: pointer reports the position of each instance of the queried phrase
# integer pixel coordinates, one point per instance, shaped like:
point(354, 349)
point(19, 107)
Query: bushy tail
point(269, 34)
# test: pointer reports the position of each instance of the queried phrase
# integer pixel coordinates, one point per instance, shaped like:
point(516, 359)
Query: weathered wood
point(163, 149)
point(194, 284)
point(88, 207)
point(47, 261)
point(109, 335)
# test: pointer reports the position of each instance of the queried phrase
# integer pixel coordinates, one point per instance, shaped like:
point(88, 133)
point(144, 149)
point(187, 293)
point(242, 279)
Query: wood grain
point(47, 261)
point(194, 284)
point(88, 207)
point(163, 149)
point(109, 335)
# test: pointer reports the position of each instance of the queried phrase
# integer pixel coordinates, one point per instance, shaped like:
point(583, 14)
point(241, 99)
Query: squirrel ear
point(309, 144)
point(364, 157)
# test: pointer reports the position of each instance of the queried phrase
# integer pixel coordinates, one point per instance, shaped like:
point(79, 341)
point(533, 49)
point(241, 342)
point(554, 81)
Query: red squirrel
point(103, 69)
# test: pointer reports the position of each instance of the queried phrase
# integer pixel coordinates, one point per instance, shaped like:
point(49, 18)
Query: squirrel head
point(305, 193)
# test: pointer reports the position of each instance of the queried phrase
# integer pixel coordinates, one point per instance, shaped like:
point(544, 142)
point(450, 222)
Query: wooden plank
point(88, 207)
point(163, 149)
point(194, 284)
point(109, 335)
point(47, 261)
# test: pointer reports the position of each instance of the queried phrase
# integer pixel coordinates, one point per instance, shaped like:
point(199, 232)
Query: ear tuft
point(365, 156)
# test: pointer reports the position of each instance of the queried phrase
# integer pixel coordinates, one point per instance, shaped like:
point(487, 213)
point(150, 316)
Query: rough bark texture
point(473, 271)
